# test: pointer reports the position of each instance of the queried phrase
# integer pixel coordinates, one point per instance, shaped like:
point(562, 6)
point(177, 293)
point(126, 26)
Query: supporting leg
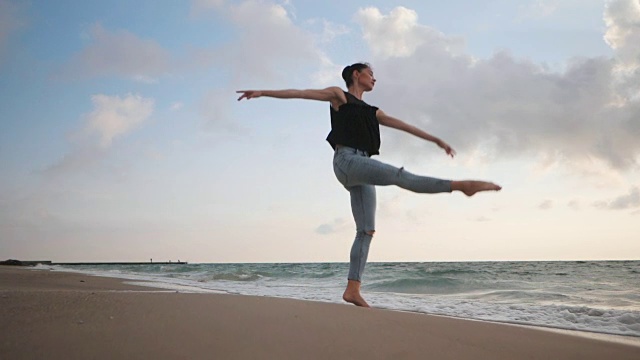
point(352, 294)
point(363, 205)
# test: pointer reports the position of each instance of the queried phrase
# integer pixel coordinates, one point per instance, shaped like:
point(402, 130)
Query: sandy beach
point(58, 315)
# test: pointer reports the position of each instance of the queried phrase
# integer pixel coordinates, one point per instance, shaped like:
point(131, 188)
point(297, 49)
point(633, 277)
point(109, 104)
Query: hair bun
point(346, 73)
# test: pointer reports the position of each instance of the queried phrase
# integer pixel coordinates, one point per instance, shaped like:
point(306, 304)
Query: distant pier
point(123, 263)
point(49, 262)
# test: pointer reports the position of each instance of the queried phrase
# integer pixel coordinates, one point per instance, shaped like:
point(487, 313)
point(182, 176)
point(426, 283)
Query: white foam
point(615, 322)
point(176, 287)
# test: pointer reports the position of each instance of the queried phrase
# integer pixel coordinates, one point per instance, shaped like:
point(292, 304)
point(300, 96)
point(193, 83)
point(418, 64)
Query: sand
point(55, 315)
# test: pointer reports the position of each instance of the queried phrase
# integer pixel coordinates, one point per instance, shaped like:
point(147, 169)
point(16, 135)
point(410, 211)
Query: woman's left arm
point(392, 122)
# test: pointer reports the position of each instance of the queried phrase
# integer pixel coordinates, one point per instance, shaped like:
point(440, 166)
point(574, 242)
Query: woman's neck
point(356, 91)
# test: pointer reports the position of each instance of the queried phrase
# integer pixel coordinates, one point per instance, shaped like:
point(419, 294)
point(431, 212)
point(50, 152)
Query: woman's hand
point(249, 94)
point(446, 147)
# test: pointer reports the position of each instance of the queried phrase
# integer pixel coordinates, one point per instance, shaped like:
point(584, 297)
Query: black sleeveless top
point(355, 125)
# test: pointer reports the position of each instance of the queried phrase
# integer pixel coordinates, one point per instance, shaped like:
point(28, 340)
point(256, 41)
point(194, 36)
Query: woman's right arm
point(332, 94)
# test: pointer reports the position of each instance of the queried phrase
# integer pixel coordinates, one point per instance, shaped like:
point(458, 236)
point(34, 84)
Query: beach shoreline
point(68, 314)
point(161, 283)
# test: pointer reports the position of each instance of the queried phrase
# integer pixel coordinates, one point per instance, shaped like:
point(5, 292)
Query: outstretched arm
point(332, 94)
point(392, 122)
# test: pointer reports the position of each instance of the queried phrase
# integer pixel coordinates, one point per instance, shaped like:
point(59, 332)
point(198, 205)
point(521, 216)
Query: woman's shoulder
point(340, 96)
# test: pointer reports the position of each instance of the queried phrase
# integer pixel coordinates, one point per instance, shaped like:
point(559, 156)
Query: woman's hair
point(348, 71)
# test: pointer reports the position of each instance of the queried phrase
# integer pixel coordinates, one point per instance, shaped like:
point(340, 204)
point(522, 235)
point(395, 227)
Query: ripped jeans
point(359, 174)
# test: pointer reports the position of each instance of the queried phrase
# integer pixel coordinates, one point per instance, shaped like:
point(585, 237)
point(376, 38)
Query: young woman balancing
point(355, 137)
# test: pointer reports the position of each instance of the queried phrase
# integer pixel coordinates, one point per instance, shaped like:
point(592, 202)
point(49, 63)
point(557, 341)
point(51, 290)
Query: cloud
point(574, 204)
point(79, 158)
point(325, 229)
point(11, 20)
point(398, 34)
point(328, 74)
point(267, 44)
point(546, 205)
point(114, 116)
point(268, 47)
point(622, 18)
point(337, 225)
point(537, 9)
point(498, 106)
point(622, 202)
point(507, 107)
point(176, 106)
point(330, 30)
point(111, 118)
point(119, 53)
point(214, 108)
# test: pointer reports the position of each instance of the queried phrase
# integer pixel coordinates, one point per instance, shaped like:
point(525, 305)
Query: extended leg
point(364, 170)
point(470, 187)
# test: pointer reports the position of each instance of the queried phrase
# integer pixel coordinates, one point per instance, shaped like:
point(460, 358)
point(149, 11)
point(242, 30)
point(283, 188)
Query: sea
point(589, 296)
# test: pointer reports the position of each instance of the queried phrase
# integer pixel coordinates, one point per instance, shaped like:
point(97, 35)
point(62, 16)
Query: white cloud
point(177, 106)
point(114, 116)
point(330, 31)
point(336, 226)
point(269, 44)
point(546, 205)
point(119, 53)
point(328, 74)
point(508, 107)
point(111, 118)
point(622, 18)
point(398, 34)
point(145, 79)
point(269, 48)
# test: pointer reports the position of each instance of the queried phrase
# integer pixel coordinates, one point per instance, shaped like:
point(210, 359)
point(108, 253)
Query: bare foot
point(354, 298)
point(352, 294)
point(470, 187)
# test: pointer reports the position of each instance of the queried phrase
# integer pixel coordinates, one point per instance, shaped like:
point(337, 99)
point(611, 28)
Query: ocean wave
point(231, 277)
point(587, 296)
point(431, 285)
point(581, 318)
point(520, 295)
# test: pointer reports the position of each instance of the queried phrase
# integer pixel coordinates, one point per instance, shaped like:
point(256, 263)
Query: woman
point(355, 137)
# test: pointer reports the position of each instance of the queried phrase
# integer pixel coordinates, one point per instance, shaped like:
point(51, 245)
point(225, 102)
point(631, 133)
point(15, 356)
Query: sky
point(121, 138)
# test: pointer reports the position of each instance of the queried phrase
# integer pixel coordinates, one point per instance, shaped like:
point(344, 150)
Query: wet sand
point(57, 315)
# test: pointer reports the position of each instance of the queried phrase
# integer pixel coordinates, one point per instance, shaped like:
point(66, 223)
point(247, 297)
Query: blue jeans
point(360, 174)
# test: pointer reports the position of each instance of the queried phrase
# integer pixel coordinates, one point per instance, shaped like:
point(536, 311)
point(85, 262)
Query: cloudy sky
point(121, 138)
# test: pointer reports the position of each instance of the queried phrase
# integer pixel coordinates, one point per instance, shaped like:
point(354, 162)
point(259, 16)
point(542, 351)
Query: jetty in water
point(123, 263)
point(48, 262)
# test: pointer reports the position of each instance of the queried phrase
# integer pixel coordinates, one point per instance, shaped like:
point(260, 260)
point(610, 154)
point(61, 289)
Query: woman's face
point(364, 78)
